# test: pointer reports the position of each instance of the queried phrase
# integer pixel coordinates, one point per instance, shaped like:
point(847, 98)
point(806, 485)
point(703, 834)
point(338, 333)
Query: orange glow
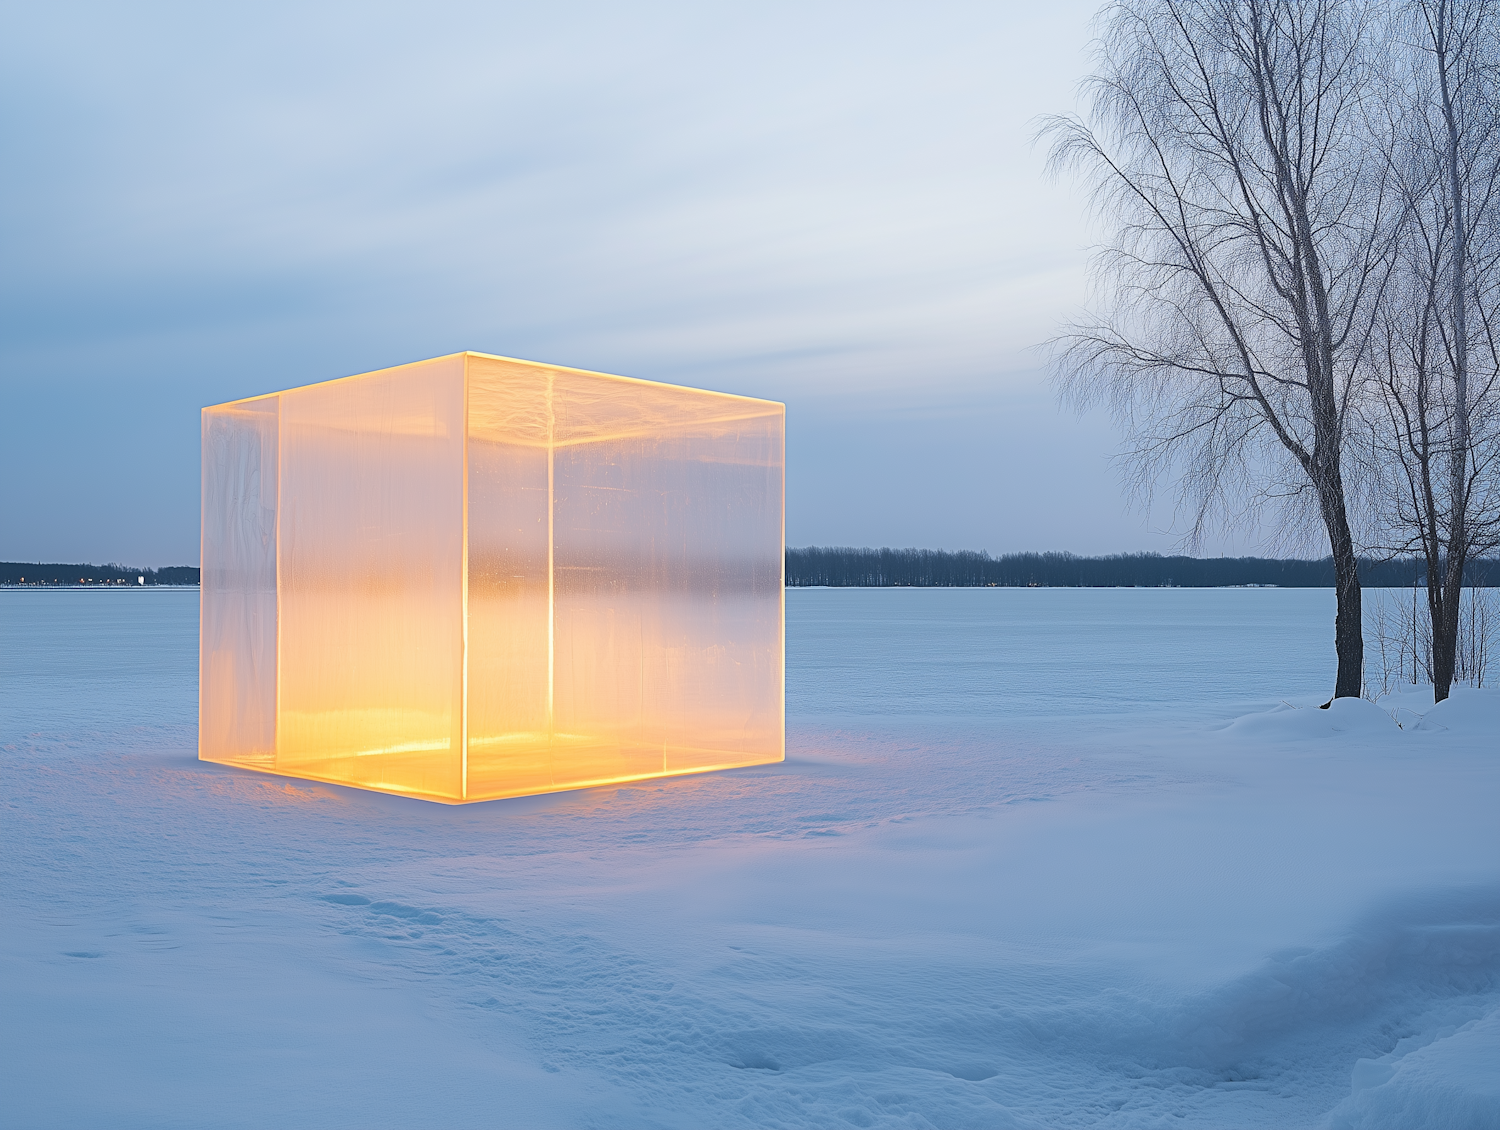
point(475, 577)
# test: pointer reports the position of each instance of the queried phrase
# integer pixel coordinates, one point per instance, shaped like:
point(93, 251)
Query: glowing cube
point(475, 577)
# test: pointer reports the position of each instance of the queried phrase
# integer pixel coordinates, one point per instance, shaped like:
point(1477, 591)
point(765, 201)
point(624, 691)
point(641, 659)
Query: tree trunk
point(1348, 621)
point(1445, 628)
point(1445, 618)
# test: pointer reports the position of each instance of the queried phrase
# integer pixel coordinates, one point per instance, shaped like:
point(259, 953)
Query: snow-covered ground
point(1037, 858)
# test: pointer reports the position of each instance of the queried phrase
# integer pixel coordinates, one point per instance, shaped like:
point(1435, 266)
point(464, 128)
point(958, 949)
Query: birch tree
point(1436, 434)
point(1228, 149)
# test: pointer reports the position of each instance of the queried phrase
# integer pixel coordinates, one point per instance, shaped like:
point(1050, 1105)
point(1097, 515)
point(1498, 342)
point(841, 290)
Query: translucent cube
point(476, 577)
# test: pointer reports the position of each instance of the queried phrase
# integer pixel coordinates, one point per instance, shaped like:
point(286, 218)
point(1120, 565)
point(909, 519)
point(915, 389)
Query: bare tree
point(1228, 144)
point(1437, 437)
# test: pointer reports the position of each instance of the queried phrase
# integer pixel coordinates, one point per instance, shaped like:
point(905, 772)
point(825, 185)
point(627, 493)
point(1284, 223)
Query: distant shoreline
point(53, 575)
point(846, 567)
point(39, 587)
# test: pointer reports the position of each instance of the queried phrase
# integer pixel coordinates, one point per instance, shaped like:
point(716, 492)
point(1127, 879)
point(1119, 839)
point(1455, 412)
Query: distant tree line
point(843, 567)
point(846, 567)
point(38, 573)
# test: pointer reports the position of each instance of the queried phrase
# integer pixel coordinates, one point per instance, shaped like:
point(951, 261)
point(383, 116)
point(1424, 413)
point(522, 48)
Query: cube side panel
point(371, 576)
point(668, 610)
point(509, 721)
point(237, 677)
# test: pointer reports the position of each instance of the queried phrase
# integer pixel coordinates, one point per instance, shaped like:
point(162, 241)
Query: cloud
point(794, 201)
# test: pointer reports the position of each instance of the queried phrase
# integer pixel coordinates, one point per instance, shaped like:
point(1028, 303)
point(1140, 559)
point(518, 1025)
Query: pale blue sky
point(835, 205)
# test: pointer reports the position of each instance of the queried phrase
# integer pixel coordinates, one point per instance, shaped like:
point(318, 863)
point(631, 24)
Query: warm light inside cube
point(475, 577)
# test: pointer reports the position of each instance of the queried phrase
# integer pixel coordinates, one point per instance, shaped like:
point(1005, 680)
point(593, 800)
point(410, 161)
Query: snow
point(1037, 858)
point(1341, 716)
point(1446, 1077)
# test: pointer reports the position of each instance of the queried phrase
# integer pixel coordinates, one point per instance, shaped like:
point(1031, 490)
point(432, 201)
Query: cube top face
point(476, 577)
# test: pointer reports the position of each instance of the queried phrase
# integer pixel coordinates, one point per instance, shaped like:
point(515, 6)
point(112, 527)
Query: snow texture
point(1037, 858)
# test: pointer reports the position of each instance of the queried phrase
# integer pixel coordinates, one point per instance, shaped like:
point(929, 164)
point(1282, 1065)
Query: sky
point(839, 206)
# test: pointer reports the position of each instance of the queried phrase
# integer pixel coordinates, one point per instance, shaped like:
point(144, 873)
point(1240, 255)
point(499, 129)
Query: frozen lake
point(1019, 869)
point(130, 658)
point(997, 654)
